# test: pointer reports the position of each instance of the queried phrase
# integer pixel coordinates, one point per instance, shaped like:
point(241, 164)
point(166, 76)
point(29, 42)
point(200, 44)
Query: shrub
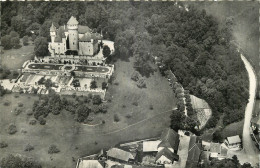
point(42, 120)
point(53, 149)
point(135, 103)
point(104, 85)
point(135, 76)
point(29, 112)
point(116, 118)
point(3, 144)
point(123, 106)
point(90, 96)
point(7, 103)
point(12, 129)
point(28, 148)
point(128, 116)
point(151, 107)
point(103, 121)
point(86, 100)
point(32, 122)
point(16, 96)
point(17, 111)
point(97, 99)
point(141, 83)
point(93, 84)
point(116, 83)
point(23, 131)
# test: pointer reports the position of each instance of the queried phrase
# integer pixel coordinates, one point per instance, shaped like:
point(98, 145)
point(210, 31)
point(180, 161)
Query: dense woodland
point(189, 42)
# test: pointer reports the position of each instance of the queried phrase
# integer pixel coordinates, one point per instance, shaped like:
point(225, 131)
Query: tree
point(53, 149)
point(15, 42)
point(97, 99)
point(82, 113)
point(93, 84)
point(12, 161)
point(25, 40)
point(104, 85)
point(41, 46)
point(106, 51)
point(217, 137)
point(177, 120)
point(6, 42)
point(14, 34)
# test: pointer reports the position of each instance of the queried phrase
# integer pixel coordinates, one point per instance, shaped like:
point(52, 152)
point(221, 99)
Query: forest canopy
point(192, 44)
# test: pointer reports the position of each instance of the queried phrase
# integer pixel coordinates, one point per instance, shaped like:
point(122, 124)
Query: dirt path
point(250, 149)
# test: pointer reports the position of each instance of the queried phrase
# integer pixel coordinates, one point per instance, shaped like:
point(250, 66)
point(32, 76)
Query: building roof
point(170, 139)
point(120, 154)
point(195, 149)
point(90, 164)
point(86, 37)
point(58, 39)
point(223, 151)
point(52, 28)
point(83, 29)
point(256, 120)
point(234, 139)
point(215, 148)
point(151, 146)
point(72, 21)
point(168, 154)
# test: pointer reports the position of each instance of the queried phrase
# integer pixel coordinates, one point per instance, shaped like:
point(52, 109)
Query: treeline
point(183, 39)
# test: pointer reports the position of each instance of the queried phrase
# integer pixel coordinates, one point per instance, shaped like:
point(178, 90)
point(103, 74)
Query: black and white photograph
point(129, 84)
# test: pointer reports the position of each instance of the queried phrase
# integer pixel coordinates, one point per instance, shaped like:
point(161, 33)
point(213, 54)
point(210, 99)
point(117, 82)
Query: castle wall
point(86, 48)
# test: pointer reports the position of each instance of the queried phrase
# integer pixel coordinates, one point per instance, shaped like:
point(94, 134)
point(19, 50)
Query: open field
point(77, 140)
point(13, 59)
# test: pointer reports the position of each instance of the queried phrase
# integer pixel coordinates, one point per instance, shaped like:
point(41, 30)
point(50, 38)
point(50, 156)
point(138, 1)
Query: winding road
point(249, 148)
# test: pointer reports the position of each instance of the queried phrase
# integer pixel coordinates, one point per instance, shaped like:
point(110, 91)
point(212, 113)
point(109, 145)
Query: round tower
point(73, 33)
point(52, 32)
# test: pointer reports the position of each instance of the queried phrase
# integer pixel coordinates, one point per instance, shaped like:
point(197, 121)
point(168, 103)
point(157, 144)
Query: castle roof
point(86, 37)
point(52, 28)
point(83, 29)
point(72, 21)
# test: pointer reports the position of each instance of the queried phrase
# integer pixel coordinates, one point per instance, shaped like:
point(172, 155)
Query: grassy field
point(77, 140)
point(13, 59)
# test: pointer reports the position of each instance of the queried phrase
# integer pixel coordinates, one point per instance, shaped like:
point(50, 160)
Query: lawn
point(77, 140)
point(13, 59)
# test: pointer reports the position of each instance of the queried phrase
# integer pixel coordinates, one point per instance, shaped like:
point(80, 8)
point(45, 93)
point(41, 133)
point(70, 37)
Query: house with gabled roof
point(165, 156)
point(170, 140)
point(90, 164)
point(194, 152)
point(120, 155)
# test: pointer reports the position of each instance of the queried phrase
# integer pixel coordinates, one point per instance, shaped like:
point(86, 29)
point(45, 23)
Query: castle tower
point(52, 32)
point(73, 33)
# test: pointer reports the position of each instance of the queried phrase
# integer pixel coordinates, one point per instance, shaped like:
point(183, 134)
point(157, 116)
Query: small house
point(165, 156)
point(233, 142)
point(120, 155)
point(217, 151)
point(90, 164)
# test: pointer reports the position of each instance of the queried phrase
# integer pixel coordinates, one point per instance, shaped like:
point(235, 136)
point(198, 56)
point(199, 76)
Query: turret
point(73, 33)
point(52, 32)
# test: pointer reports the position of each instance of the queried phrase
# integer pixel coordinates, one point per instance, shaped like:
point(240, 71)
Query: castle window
point(73, 43)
